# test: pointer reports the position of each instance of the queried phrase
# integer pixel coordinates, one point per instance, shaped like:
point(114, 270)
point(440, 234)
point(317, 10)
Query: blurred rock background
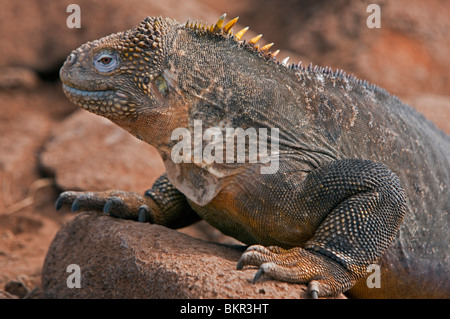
point(47, 145)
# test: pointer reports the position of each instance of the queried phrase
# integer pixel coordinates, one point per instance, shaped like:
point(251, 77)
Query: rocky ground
point(47, 145)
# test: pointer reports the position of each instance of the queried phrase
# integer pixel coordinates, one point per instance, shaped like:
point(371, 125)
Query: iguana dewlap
point(360, 177)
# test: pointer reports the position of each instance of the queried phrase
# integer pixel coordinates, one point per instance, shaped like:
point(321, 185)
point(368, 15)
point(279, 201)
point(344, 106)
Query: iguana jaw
point(109, 103)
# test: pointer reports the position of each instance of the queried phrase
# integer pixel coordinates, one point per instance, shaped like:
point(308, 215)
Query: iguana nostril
point(72, 59)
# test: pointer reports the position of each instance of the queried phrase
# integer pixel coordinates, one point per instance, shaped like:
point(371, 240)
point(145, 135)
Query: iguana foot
point(324, 276)
point(120, 204)
point(163, 204)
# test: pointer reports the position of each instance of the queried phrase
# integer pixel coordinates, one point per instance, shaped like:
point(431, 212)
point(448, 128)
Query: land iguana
point(361, 178)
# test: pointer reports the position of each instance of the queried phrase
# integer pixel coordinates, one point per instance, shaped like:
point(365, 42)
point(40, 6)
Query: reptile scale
point(361, 177)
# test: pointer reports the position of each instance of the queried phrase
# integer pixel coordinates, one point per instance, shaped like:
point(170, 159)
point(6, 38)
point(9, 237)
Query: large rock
point(127, 259)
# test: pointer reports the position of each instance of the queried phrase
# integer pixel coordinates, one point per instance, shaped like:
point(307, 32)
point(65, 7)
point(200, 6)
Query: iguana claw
point(240, 264)
point(75, 206)
point(144, 215)
point(266, 267)
point(258, 275)
point(59, 203)
point(313, 289)
point(111, 203)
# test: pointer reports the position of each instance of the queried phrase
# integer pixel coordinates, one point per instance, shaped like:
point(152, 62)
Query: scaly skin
point(354, 162)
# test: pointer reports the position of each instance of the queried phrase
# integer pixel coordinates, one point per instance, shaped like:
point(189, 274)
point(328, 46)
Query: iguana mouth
point(101, 94)
point(107, 102)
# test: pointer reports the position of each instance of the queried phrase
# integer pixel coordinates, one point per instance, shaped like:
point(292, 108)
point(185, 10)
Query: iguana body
point(353, 160)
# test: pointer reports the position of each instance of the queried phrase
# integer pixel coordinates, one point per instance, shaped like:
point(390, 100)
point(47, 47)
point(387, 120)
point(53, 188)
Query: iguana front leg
point(163, 204)
point(359, 206)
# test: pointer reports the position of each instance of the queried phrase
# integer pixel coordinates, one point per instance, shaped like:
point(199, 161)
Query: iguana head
point(119, 76)
point(144, 78)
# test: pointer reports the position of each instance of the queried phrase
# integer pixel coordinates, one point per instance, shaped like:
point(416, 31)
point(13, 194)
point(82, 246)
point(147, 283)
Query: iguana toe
point(79, 201)
point(254, 256)
point(63, 199)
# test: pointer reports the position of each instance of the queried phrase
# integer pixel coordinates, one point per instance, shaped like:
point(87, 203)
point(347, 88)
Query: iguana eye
point(106, 62)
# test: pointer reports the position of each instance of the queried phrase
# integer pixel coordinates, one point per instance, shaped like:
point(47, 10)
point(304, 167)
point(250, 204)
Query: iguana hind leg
point(367, 205)
point(163, 204)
